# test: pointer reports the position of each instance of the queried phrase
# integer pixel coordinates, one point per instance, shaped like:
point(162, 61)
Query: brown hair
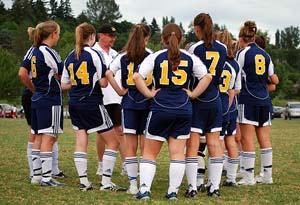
point(225, 37)
point(260, 41)
point(42, 31)
point(135, 46)
point(248, 31)
point(205, 22)
point(82, 33)
point(172, 36)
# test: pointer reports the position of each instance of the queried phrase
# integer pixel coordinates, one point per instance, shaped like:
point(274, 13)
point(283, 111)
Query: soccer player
point(230, 86)
point(84, 74)
point(46, 102)
point(254, 103)
point(106, 40)
point(171, 110)
point(207, 109)
point(135, 107)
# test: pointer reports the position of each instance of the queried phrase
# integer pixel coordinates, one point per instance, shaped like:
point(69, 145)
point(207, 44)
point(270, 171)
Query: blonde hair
point(82, 33)
point(225, 37)
point(42, 31)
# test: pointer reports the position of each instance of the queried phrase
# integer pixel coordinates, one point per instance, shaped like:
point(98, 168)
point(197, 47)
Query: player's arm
point(25, 79)
point(110, 73)
point(139, 77)
point(65, 80)
point(200, 72)
point(272, 76)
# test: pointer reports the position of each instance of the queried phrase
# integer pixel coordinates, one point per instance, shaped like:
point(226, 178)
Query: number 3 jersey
point(84, 75)
point(46, 66)
point(133, 98)
point(172, 98)
point(256, 66)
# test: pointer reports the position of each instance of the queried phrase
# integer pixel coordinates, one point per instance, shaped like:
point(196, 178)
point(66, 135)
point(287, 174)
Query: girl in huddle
point(135, 107)
point(171, 110)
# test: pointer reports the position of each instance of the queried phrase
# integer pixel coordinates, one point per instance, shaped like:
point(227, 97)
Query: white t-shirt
point(110, 95)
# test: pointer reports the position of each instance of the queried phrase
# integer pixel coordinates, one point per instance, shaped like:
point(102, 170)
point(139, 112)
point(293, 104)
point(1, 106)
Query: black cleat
point(88, 187)
point(112, 187)
point(172, 196)
point(201, 188)
point(51, 183)
point(215, 193)
point(229, 184)
point(60, 175)
point(143, 196)
point(190, 193)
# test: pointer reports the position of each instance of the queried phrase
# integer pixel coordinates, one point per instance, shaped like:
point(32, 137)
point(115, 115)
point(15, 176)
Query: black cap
point(107, 28)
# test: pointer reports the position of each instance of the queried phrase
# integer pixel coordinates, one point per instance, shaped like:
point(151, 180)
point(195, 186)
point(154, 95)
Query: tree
point(165, 21)
point(82, 17)
point(3, 12)
point(67, 10)
point(264, 34)
point(144, 21)
point(290, 37)
point(154, 26)
point(53, 8)
point(40, 11)
point(103, 11)
point(172, 20)
point(22, 10)
point(181, 27)
point(277, 39)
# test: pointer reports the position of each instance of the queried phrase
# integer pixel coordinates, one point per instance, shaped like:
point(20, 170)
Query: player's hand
point(189, 93)
point(154, 92)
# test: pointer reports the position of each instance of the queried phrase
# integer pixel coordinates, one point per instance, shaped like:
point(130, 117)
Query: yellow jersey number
point(180, 77)
point(130, 80)
point(226, 76)
point(260, 64)
point(214, 56)
point(81, 73)
point(33, 67)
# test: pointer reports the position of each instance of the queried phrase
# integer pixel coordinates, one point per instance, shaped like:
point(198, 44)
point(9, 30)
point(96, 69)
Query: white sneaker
point(240, 174)
point(245, 182)
point(263, 180)
point(99, 171)
point(132, 190)
point(36, 180)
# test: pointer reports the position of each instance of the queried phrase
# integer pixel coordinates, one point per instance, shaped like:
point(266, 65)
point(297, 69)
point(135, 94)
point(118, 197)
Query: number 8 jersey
point(256, 66)
point(84, 75)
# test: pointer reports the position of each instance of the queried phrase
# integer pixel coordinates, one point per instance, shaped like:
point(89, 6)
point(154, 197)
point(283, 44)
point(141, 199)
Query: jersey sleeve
point(26, 63)
point(199, 69)
point(115, 65)
point(52, 59)
point(99, 64)
point(147, 66)
point(65, 78)
point(271, 69)
point(232, 79)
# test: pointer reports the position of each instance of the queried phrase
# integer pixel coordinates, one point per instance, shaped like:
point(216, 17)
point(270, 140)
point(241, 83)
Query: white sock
point(200, 171)
point(191, 172)
point(241, 157)
point(36, 163)
point(131, 164)
point(249, 163)
point(232, 167)
point(176, 173)
point(29, 158)
point(80, 160)
point(225, 163)
point(266, 161)
point(55, 169)
point(147, 172)
point(215, 168)
point(46, 159)
point(109, 160)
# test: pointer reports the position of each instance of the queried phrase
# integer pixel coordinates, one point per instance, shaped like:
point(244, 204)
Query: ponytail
point(225, 37)
point(248, 31)
point(171, 36)
point(204, 21)
point(135, 46)
point(82, 33)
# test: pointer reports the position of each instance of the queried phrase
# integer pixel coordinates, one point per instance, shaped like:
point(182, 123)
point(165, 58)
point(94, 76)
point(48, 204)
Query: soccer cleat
point(245, 182)
point(132, 190)
point(36, 180)
point(201, 188)
point(215, 193)
point(229, 183)
point(240, 174)
point(172, 196)
point(224, 172)
point(87, 187)
point(52, 183)
point(60, 175)
point(190, 193)
point(143, 196)
point(262, 180)
point(112, 187)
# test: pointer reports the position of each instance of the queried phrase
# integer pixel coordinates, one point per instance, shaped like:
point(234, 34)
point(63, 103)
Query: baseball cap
point(107, 28)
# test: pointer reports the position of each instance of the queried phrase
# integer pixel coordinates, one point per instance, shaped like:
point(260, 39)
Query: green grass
point(16, 189)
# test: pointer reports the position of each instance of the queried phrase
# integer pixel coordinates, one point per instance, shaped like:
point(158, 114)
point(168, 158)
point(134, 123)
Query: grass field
point(16, 189)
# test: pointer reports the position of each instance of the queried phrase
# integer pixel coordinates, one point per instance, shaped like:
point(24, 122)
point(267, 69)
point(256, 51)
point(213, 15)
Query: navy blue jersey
point(26, 63)
point(228, 80)
point(256, 66)
point(46, 65)
point(84, 75)
point(133, 98)
point(171, 97)
point(214, 59)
